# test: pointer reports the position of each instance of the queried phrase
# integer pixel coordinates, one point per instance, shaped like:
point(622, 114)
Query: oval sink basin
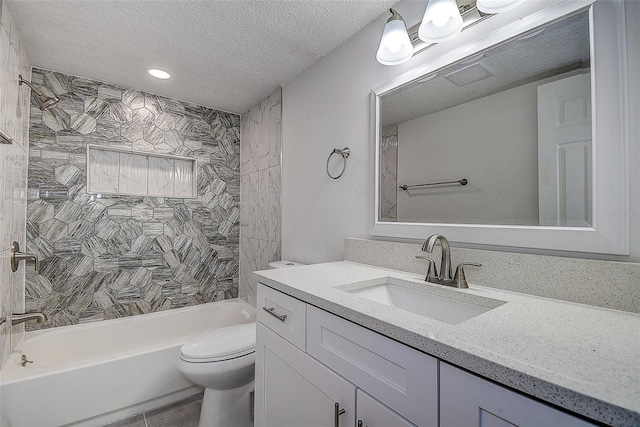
point(435, 307)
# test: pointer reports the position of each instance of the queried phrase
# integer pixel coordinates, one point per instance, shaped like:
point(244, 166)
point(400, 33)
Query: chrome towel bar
point(463, 181)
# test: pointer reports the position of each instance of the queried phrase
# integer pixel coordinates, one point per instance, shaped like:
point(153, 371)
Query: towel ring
point(345, 152)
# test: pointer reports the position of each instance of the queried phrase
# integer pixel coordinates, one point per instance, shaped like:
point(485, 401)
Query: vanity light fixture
point(395, 46)
point(442, 21)
point(496, 6)
point(159, 74)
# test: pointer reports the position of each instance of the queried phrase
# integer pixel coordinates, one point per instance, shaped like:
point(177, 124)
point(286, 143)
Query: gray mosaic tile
point(162, 214)
point(105, 263)
point(68, 212)
point(133, 99)
point(171, 258)
point(53, 230)
point(140, 278)
point(96, 107)
point(106, 228)
point(120, 112)
point(141, 244)
point(139, 306)
point(132, 131)
point(98, 249)
point(130, 260)
point(164, 122)
point(143, 117)
point(105, 297)
point(173, 139)
point(66, 247)
point(93, 211)
point(94, 247)
point(79, 302)
point(56, 119)
point(152, 229)
point(131, 229)
point(58, 83)
point(109, 92)
point(154, 103)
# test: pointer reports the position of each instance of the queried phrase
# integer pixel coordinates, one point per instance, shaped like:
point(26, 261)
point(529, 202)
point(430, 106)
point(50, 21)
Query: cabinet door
point(293, 389)
point(371, 413)
point(468, 400)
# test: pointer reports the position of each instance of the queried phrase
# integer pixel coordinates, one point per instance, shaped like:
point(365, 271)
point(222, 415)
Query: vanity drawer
point(282, 314)
point(404, 379)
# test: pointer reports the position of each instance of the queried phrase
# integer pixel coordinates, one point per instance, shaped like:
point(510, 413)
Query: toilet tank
point(284, 264)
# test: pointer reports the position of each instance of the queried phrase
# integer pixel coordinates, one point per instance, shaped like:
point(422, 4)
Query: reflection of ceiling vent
point(469, 74)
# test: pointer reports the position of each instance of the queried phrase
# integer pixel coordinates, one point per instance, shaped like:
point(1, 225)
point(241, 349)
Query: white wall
point(328, 106)
point(501, 162)
point(14, 122)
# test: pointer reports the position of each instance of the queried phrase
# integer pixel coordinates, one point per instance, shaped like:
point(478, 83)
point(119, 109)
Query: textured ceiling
point(226, 54)
point(560, 48)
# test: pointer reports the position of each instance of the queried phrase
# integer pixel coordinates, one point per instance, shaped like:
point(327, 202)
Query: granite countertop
point(581, 358)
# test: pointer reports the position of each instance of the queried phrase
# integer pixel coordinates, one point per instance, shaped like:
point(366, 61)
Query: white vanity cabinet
point(294, 390)
point(307, 360)
point(467, 400)
point(390, 384)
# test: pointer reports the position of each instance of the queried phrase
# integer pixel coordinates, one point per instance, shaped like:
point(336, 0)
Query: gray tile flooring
point(184, 413)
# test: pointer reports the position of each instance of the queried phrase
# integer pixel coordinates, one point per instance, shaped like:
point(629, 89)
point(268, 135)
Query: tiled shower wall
point(260, 191)
point(14, 117)
point(107, 256)
point(389, 173)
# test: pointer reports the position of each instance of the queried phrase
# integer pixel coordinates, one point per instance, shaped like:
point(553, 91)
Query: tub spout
point(18, 318)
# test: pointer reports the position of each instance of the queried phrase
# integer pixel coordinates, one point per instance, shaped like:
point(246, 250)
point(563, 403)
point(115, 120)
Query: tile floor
point(184, 413)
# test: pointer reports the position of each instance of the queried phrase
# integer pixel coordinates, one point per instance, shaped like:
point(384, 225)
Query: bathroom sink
point(440, 307)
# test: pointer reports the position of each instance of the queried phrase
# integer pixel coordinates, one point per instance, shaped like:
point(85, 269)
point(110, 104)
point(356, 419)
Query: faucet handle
point(432, 272)
point(460, 278)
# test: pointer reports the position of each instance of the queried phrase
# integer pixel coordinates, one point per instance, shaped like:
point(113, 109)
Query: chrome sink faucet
point(445, 277)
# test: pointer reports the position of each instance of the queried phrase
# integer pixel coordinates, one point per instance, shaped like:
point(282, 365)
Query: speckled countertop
point(582, 358)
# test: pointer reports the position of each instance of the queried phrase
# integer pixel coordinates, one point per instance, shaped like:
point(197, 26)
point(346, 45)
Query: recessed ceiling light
point(159, 74)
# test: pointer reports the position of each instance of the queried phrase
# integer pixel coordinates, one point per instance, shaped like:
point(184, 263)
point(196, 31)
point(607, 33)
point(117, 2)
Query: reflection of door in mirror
point(564, 152)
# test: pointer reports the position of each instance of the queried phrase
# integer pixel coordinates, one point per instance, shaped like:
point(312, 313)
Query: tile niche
point(106, 256)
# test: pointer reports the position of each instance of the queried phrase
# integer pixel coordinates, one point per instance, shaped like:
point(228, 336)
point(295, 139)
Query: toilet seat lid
point(221, 344)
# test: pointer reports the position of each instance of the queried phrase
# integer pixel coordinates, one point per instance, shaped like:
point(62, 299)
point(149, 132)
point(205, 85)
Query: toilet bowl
point(222, 361)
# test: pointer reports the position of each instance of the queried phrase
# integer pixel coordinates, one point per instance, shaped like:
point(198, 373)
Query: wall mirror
point(516, 139)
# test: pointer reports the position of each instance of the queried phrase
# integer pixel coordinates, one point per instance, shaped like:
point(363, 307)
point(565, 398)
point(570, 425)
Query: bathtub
point(97, 373)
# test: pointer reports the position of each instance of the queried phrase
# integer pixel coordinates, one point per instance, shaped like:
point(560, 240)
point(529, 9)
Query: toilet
point(223, 362)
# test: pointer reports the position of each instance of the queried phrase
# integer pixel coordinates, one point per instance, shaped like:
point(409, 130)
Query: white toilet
point(222, 361)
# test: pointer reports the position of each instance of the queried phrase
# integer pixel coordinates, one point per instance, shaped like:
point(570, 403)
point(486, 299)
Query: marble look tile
point(83, 123)
point(161, 176)
point(183, 184)
point(102, 176)
point(68, 211)
point(93, 247)
point(133, 99)
point(134, 173)
point(89, 241)
point(152, 229)
point(58, 83)
point(120, 112)
point(96, 108)
point(56, 119)
point(132, 131)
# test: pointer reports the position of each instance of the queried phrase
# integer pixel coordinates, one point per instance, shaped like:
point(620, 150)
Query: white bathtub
point(97, 373)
